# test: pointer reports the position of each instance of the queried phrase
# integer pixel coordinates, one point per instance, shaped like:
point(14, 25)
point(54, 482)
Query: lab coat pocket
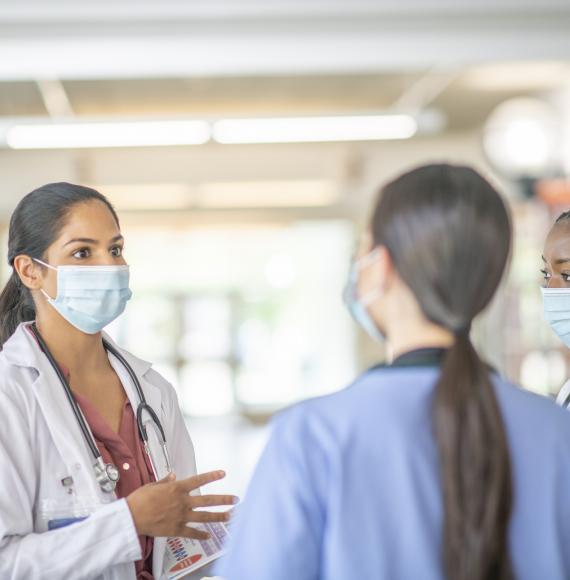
point(58, 513)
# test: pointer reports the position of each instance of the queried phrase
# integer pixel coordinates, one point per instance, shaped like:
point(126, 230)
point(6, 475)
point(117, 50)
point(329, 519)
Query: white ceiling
point(133, 39)
point(119, 58)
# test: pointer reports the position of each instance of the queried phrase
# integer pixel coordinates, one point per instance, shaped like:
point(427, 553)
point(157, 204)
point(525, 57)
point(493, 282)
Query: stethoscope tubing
point(142, 407)
point(73, 403)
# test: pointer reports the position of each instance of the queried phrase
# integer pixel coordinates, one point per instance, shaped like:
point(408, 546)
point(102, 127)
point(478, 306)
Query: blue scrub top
point(348, 487)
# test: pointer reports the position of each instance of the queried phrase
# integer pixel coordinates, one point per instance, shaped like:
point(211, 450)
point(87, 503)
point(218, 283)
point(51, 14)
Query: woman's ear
point(28, 271)
point(384, 269)
point(365, 245)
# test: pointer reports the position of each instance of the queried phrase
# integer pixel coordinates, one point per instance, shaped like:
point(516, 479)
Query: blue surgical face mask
point(90, 297)
point(358, 305)
point(556, 302)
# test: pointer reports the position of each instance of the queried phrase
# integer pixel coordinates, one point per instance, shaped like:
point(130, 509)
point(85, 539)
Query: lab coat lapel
point(22, 350)
point(154, 399)
point(152, 394)
point(59, 416)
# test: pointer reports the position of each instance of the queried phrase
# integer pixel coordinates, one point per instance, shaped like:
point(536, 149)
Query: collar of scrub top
point(422, 357)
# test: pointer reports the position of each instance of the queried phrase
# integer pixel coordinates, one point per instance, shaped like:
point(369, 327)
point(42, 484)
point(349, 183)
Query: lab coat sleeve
point(178, 439)
point(81, 550)
point(563, 394)
point(279, 528)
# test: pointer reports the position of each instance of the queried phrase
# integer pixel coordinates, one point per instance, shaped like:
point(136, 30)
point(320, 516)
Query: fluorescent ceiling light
point(314, 129)
point(92, 134)
point(267, 194)
point(73, 135)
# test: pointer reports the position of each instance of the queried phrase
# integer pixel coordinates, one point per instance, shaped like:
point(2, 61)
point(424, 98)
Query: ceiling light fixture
point(73, 135)
point(314, 129)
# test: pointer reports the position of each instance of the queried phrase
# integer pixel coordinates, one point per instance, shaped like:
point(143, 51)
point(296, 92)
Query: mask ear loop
point(365, 262)
point(46, 295)
point(368, 259)
point(44, 264)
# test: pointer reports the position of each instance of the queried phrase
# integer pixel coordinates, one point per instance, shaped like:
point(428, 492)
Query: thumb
point(169, 478)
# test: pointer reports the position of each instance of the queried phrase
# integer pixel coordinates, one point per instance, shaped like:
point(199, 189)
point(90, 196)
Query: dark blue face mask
point(358, 305)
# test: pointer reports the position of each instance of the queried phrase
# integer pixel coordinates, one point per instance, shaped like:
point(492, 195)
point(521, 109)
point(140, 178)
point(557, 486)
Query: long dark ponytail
point(34, 226)
point(448, 233)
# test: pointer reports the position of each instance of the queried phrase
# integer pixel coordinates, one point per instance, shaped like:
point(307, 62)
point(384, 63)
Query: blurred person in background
point(432, 466)
point(556, 289)
point(96, 464)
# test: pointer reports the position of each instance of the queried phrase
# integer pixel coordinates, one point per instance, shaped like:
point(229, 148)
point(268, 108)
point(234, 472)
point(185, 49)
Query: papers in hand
point(184, 555)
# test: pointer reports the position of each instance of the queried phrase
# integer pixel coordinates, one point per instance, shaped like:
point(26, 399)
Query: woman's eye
point(117, 251)
point(545, 274)
point(81, 254)
point(566, 277)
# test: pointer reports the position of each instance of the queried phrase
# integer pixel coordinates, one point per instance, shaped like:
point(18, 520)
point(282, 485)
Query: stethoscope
point(106, 474)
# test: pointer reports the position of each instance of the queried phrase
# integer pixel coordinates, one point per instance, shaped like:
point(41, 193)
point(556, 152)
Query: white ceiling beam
point(128, 39)
point(14, 11)
point(269, 53)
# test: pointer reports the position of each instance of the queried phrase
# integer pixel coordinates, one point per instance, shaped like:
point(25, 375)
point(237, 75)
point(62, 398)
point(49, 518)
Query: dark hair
point(449, 235)
point(34, 226)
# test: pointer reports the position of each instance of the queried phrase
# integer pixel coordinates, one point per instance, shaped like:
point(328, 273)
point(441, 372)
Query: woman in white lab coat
point(556, 288)
point(57, 520)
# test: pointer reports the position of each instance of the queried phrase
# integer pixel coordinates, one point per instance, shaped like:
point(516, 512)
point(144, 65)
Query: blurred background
point(243, 144)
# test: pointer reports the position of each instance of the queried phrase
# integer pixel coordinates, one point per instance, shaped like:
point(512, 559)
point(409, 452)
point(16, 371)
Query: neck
point(71, 348)
point(405, 338)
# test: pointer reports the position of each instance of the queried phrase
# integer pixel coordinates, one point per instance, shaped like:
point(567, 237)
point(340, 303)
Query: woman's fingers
point(208, 517)
point(198, 501)
point(192, 533)
point(197, 481)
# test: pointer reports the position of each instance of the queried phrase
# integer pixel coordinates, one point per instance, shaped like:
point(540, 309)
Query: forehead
point(91, 219)
point(557, 245)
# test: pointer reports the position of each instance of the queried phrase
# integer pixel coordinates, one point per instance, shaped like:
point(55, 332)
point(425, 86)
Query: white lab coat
point(563, 394)
point(41, 444)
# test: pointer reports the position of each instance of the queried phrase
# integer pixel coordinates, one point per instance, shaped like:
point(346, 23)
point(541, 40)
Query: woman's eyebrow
point(82, 240)
point(92, 241)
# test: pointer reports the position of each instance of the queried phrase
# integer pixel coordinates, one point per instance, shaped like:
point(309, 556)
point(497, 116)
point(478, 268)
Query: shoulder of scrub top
point(394, 394)
point(329, 418)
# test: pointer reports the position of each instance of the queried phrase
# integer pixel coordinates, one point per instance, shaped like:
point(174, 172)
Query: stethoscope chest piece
point(107, 475)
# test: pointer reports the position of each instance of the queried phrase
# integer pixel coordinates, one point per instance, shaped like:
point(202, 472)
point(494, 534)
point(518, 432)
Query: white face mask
point(358, 305)
point(556, 303)
point(90, 297)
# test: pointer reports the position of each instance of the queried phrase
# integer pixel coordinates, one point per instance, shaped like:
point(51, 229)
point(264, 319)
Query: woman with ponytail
point(432, 467)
